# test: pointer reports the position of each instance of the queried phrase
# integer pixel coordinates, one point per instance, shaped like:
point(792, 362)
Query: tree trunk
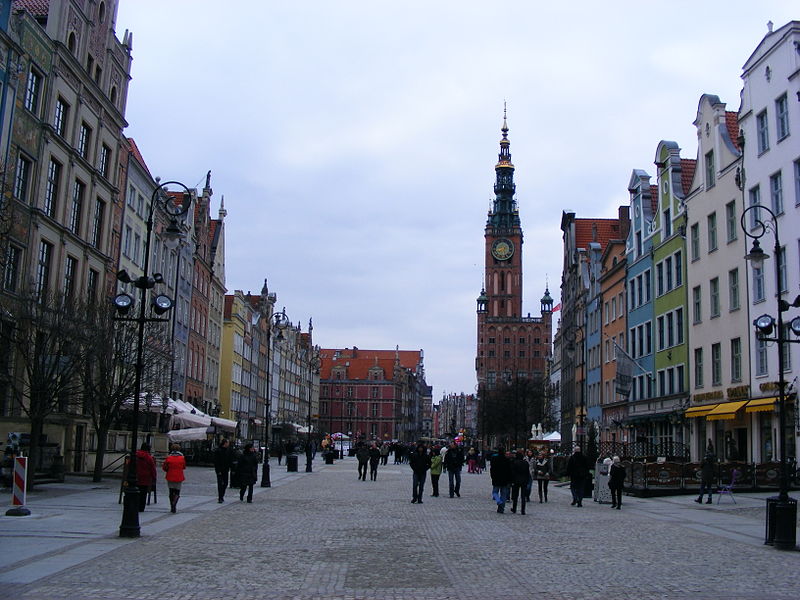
point(102, 444)
point(34, 451)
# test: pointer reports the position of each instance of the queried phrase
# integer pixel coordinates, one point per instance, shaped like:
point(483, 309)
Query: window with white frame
point(755, 200)
point(730, 220)
point(762, 358)
point(697, 304)
point(733, 289)
point(51, 188)
point(710, 169)
point(759, 294)
point(698, 367)
point(713, 298)
point(667, 230)
point(716, 364)
point(797, 182)
point(776, 192)
point(60, 117)
point(781, 117)
point(782, 276)
point(33, 91)
point(43, 269)
point(84, 140)
point(76, 209)
point(694, 240)
point(736, 359)
point(11, 268)
point(22, 177)
point(786, 353)
point(712, 232)
point(762, 132)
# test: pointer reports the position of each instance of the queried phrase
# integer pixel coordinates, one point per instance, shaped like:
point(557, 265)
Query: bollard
point(18, 492)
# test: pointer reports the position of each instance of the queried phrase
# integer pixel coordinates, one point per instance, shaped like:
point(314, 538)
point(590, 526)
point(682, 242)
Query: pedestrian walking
point(174, 466)
point(279, 452)
point(706, 477)
point(362, 454)
point(520, 478)
point(543, 468)
point(616, 481)
point(500, 473)
point(247, 470)
point(419, 462)
point(578, 471)
point(374, 461)
point(146, 474)
point(472, 461)
point(222, 467)
point(453, 462)
point(436, 471)
point(384, 453)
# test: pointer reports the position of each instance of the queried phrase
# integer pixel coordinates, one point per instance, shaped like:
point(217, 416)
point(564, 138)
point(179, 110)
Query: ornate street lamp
point(280, 321)
point(781, 510)
point(160, 304)
point(313, 368)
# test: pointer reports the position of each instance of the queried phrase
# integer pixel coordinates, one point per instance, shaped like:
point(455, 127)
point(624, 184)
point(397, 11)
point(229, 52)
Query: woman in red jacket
point(174, 465)
point(145, 474)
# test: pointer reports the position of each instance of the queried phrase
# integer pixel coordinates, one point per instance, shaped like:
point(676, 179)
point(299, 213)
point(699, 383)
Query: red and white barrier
point(18, 491)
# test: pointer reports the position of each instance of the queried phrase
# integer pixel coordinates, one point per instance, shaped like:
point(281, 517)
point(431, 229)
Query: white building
point(770, 109)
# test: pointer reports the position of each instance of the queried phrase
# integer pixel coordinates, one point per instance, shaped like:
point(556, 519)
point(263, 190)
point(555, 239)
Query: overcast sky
point(354, 141)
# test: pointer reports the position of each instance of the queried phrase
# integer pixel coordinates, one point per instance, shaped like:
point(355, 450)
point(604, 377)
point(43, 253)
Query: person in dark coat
point(374, 460)
point(419, 462)
point(222, 467)
point(616, 481)
point(520, 478)
point(706, 477)
point(500, 473)
point(578, 472)
point(453, 462)
point(145, 473)
point(247, 470)
point(362, 455)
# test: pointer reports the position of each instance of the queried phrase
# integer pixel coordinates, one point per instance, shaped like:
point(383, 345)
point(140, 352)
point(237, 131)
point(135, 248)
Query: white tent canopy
point(187, 435)
point(182, 414)
point(553, 437)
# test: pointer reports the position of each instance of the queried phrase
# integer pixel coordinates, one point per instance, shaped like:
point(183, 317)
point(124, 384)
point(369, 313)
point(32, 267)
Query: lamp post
point(569, 335)
point(781, 510)
point(280, 321)
point(313, 368)
point(160, 304)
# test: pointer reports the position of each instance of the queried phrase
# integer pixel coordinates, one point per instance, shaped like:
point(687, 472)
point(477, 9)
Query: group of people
point(242, 468)
point(173, 466)
point(369, 456)
point(513, 476)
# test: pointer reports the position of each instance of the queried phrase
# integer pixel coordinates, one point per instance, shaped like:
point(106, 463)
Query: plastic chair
point(728, 489)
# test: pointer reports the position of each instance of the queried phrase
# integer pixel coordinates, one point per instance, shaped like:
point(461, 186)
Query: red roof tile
point(38, 8)
point(134, 149)
point(596, 230)
point(688, 165)
point(654, 199)
point(360, 361)
point(732, 123)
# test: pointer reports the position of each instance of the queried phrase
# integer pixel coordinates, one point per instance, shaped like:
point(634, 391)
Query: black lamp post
point(781, 510)
point(280, 321)
point(160, 304)
point(313, 368)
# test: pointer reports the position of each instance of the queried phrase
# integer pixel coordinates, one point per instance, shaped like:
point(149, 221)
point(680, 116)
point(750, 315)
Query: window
point(762, 132)
point(127, 240)
point(77, 207)
point(660, 278)
point(97, 223)
point(776, 192)
point(694, 239)
point(736, 359)
point(647, 285)
point(733, 289)
point(762, 361)
point(786, 355)
point(716, 364)
point(22, 177)
point(713, 297)
point(105, 161)
point(84, 139)
point(755, 200)
point(697, 306)
point(33, 91)
point(11, 270)
point(70, 267)
point(43, 269)
point(374, 409)
point(60, 117)
point(667, 224)
point(758, 284)
point(51, 188)
point(678, 261)
point(712, 232)
point(710, 170)
point(91, 285)
point(668, 272)
point(698, 367)
point(781, 117)
point(797, 182)
point(782, 281)
point(730, 220)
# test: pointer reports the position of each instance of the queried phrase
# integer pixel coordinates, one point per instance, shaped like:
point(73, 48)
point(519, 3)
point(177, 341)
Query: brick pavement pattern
point(328, 535)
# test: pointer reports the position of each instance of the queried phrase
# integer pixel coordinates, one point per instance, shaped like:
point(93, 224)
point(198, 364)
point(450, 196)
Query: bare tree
point(507, 412)
point(45, 336)
point(109, 373)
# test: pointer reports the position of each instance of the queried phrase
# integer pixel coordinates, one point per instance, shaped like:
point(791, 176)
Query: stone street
point(328, 535)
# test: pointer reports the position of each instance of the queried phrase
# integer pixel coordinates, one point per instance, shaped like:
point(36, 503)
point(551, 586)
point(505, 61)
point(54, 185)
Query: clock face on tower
point(502, 249)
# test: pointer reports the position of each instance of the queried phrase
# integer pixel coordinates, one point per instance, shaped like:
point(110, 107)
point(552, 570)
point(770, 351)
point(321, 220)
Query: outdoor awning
point(699, 411)
point(725, 411)
point(761, 405)
point(187, 435)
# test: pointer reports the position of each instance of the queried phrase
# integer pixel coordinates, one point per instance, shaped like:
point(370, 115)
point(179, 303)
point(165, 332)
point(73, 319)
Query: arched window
point(72, 42)
point(101, 12)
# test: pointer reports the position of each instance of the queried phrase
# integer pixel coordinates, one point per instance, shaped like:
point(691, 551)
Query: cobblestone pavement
point(328, 535)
